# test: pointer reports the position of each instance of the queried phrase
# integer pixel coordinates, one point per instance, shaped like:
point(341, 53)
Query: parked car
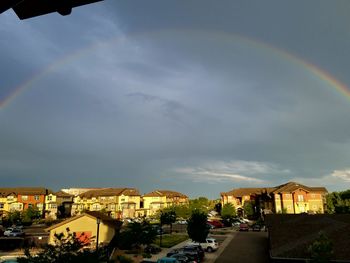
point(192, 255)
point(13, 232)
point(152, 249)
point(182, 258)
point(216, 223)
point(167, 260)
point(243, 227)
point(209, 245)
point(194, 248)
point(256, 227)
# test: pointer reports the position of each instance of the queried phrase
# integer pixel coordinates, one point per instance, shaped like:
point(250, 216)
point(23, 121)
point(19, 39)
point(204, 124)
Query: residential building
point(58, 204)
point(21, 198)
point(85, 227)
point(159, 199)
point(117, 202)
point(291, 198)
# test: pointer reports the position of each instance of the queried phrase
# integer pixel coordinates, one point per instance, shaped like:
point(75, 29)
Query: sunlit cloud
point(238, 171)
point(342, 174)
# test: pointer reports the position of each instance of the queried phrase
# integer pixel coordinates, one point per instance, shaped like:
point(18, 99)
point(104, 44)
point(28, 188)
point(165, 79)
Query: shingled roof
point(292, 186)
point(287, 187)
point(167, 193)
point(239, 192)
point(25, 191)
point(110, 192)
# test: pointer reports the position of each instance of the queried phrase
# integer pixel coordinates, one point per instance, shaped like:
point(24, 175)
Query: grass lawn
point(169, 240)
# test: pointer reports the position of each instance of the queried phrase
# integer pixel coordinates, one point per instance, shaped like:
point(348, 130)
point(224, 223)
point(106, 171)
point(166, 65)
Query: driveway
point(250, 247)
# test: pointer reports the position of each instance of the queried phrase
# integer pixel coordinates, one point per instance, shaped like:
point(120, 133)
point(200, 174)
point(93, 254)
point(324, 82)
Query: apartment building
point(290, 198)
point(21, 198)
point(58, 204)
point(159, 199)
point(117, 202)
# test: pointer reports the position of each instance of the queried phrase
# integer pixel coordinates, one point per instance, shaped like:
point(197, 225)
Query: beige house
point(290, 198)
point(159, 199)
point(58, 204)
point(85, 228)
point(117, 202)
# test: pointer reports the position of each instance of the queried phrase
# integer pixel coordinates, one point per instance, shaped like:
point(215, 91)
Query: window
point(300, 198)
point(122, 199)
point(53, 206)
point(1, 205)
point(30, 205)
point(24, 197)
point(49, 198)
point(111, 198)
point(36, 197)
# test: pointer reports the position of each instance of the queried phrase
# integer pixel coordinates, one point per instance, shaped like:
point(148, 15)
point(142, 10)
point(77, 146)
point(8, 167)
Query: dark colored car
point(256, 227)
point(182, 258)
point(195, 248)
point(152, 249)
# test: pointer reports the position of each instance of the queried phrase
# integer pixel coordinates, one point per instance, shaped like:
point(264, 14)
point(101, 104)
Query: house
point(290, 235)
point(159, 199)
point(85, 227)
point(291, 198)
point(21, 198)
point(58, 204)
point(117, 202)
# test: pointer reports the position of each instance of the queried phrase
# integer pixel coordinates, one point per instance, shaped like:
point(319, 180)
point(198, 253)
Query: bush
point(146, 255)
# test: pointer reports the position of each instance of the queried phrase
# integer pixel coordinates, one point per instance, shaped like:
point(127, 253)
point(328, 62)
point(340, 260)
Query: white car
point(209, 245)
point(13, 232)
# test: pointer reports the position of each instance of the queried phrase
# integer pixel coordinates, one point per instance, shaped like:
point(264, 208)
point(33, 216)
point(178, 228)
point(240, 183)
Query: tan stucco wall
point(85, 224)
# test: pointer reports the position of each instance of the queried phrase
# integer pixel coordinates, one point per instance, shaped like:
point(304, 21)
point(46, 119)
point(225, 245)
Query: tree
point(137, 234)
point(201, 203)
point(168, 218)
point(228, 213)
point(197, 227)
point(248, 209)
point(321, 250)
point(30, 214)
point(218, 208)
point(67, 249)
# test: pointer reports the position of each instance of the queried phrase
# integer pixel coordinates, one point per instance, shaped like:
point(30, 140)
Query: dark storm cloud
point(165, 95)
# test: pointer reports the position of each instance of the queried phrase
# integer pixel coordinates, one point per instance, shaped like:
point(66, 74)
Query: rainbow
point(321, 74)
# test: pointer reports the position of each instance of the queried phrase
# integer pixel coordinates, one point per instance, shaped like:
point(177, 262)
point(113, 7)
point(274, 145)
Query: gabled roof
point(248, 191)
point(25, 191)
point(287, 187)
point(92, 214)
point(293, 186)
point(110, 192)
point(62, 194)
point(167, 193)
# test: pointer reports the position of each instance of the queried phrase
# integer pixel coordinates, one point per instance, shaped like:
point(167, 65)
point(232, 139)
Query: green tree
point(248, 209)
point(321, 250)
point(200, 203)
point(137, 234)
point(228, 213)
point(168, 218)
point(30, 214)
point(197, 227)
point(67, 249)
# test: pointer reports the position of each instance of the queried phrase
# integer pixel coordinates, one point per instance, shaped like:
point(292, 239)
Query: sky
point(194, 96)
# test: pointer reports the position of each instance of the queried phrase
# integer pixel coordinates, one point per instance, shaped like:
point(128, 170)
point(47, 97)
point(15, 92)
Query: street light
point(98, 221)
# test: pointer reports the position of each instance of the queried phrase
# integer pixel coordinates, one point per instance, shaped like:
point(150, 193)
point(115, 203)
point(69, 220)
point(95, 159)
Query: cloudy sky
point(194, 96)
